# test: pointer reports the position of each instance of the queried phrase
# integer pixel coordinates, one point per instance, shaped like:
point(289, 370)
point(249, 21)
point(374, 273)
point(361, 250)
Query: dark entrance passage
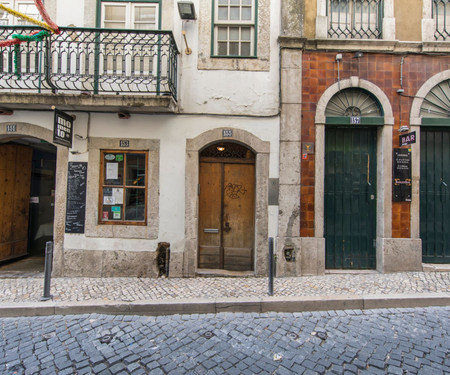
point(350, 197)
point(27, 190)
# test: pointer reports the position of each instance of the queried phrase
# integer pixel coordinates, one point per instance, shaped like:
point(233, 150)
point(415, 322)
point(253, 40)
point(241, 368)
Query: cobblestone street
point(395, 341)
point(137, 289)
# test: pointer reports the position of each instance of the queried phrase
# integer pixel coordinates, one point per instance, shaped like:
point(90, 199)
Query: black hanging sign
point(401, 187)
point(407, 139)
point(62, 129)
point(76, 197)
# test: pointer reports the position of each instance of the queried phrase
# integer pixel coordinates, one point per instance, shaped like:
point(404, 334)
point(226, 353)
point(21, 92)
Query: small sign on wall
point(402, 183)
point(407, 139)
point(62, 129)
point(307, 148)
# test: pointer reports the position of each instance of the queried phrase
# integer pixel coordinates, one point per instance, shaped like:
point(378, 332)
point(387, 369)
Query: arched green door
point(350, 180)
point(435, 175)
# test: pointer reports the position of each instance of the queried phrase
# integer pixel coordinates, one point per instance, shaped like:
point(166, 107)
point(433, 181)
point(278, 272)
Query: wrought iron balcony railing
point(91, 60)
point(357, 19)
point(441, 14)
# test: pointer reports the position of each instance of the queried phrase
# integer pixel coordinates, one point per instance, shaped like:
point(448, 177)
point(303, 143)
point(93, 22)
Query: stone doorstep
point(218, 305)
point(429, 267)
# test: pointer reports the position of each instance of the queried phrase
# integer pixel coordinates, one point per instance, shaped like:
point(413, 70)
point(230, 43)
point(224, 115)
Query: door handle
point(444, 190)
point(227, 227)
point(369, 196)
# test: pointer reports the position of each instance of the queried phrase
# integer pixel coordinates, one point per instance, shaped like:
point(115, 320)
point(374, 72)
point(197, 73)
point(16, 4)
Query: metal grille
point(437, 102)
point(358, 19)
point(441, 14)
point(227, 150)
point(92, 60)
point(353, 102)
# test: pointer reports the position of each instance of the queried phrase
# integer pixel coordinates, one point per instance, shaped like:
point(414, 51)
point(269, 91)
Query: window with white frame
point(359, 19)
point(234, 28)
point(117, 50)
point(130, 15)
point(441, 15)
point(25, 7)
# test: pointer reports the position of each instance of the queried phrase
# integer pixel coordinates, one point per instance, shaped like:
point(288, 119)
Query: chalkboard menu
point(76, 197)
point(401, 186)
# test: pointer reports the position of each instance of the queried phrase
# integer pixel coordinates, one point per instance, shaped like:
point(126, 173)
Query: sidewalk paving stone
point(122, 289)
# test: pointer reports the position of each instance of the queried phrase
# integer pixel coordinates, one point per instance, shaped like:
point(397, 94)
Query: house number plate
point(11, 128)
point(124, 143)
point(227, 132)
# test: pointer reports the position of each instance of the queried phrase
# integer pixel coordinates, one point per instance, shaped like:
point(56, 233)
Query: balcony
point(90, 69)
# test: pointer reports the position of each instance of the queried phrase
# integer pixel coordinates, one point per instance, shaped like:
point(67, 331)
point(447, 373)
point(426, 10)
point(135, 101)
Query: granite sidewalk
point(20, 296)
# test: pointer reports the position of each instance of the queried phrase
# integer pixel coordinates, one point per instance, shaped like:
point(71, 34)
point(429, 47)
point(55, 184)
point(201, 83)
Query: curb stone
point(218, 305)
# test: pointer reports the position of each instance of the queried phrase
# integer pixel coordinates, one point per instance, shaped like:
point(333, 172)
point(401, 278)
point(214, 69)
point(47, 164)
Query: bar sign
point(407, 139)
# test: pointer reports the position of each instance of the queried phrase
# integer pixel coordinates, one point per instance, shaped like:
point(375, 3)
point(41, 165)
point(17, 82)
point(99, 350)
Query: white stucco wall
point(172, 131)
point(207, 99)
point(234, 91)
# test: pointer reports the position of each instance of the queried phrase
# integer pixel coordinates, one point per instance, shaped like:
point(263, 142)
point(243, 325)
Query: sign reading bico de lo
point(62, 129)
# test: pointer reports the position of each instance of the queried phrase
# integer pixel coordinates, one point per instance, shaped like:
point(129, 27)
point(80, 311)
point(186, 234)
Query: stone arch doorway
point(435, 174)
point(261, 150)
point(350, 179)
point(226, 207)
point(28, 172)
point(383, 128)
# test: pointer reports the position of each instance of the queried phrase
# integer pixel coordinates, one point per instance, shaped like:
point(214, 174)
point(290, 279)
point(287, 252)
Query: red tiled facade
point(383, 70)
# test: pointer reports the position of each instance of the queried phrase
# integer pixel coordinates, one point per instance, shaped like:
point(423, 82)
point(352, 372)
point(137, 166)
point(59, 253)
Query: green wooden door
point(434, 194)
point(350, 197)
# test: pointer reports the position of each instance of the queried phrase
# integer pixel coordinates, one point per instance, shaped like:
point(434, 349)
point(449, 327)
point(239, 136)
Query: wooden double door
point(226, 214)
point(15, 177)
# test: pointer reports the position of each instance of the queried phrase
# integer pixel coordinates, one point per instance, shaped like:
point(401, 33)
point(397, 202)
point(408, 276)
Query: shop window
point(25, 7)
point(234, 28)
point(358, 19)
point(123, 187)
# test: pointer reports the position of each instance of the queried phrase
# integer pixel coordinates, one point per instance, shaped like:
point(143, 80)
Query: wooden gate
point(434, 194)
point(15, 176)
point(226, 209)
point(350, 198)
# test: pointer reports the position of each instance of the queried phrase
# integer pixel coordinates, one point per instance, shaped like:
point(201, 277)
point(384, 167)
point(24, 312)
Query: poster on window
point(112, 171)
point(117, 195)
point(108, 198)
point(116, 212)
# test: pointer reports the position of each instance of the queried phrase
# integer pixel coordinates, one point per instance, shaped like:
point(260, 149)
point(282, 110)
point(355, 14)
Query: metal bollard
point(48, 270)
point(270, 266)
